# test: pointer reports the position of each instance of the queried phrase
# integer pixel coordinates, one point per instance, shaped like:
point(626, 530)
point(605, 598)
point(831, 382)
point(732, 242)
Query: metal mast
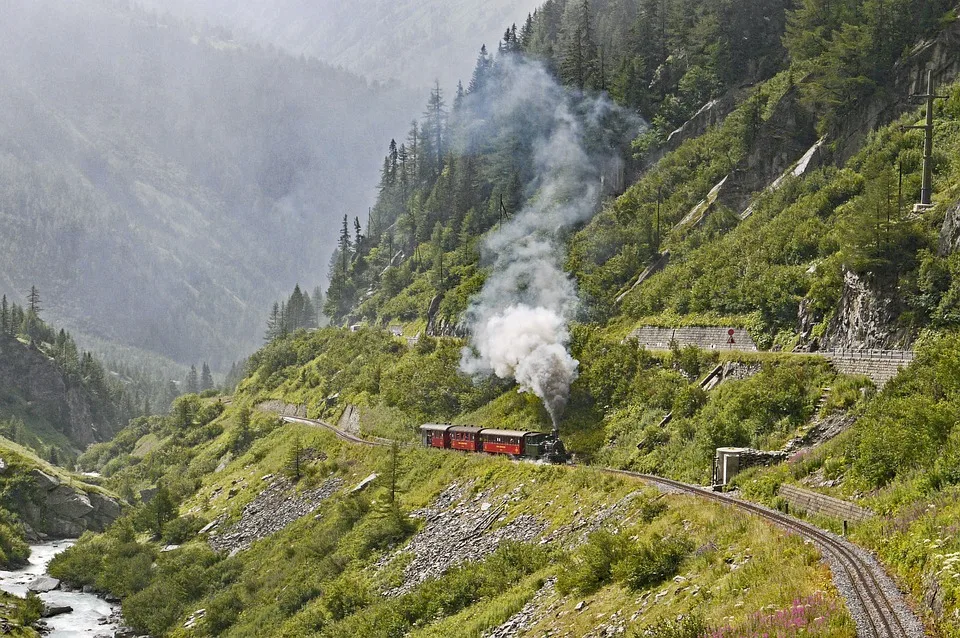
point(926, 190)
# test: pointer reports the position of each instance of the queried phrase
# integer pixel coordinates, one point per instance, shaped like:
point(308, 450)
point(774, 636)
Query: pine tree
point(481, 71)
point(343, 246)
point(192, 384)
point(358, 235)
point(33, 300)
point(318, 305)
point(5, 325)
point(413, 153)
point(436, 117)
point(526, 33)
point(273, 323)
point(308, 318)
point(206, 378)
point(578, 51)
point(295, 310)
point(294, 459)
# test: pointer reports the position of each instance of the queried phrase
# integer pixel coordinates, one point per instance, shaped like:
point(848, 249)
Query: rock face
point(350, 419)
point(866, 319)
point(909, 77)
point(37, 383)
point(284, 409)
point(950, 232)
point(54, 509)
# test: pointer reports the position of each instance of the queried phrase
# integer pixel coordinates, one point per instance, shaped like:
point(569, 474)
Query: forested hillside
point(770, 88)
point(54, 397)
point(161, 185)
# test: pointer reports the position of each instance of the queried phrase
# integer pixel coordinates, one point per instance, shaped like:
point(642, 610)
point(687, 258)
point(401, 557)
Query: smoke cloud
point(519, 321)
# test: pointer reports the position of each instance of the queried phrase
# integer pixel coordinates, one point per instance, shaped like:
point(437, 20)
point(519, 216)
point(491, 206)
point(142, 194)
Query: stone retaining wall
point(816, 503)
point(653, 338)
point(879, 365)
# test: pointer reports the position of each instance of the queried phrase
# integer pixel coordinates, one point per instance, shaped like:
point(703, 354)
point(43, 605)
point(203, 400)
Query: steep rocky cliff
point(865, 319)
point(35, 389)
point(48, 502)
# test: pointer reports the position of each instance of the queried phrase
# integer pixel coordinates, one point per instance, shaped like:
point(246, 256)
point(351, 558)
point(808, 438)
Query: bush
point(592, 565)
point(652, 561)
point(182, 529)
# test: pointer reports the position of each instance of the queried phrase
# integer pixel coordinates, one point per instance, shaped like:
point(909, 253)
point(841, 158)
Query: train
point(520, 444)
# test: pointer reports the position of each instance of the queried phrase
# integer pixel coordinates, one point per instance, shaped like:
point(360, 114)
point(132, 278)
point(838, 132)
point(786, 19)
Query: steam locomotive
point(516, 443)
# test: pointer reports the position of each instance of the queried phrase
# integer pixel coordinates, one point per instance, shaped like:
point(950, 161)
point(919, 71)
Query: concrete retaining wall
point(816, 503)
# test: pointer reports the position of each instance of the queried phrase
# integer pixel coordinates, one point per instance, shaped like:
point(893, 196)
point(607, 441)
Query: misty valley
point(570, 318)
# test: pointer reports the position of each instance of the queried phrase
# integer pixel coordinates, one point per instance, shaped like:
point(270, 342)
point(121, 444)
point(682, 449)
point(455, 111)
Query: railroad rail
point(872, 597)
point(877, 611)
point(346, 436)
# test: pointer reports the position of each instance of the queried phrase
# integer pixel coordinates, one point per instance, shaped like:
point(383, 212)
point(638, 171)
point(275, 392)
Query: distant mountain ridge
point(413, 41)
point(161, 187)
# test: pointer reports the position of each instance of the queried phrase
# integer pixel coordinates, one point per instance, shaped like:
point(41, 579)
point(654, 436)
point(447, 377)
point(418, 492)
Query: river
point(90, 617)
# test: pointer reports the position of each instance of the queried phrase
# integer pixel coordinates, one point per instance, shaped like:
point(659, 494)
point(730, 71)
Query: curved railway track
point(874, 601)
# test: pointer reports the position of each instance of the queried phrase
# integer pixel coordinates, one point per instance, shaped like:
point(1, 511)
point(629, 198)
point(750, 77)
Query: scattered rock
point(194, 618)
point(273, 509)
point(456, 529)
point(580, 605)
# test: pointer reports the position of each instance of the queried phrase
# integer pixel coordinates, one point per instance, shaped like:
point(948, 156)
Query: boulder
point(49, 611)
point(43, 584)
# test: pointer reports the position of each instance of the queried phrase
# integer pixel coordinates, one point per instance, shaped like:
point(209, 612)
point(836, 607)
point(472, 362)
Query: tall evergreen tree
point(33, 301)
point(273, 323)
point(206, 378)
point(4, 317)
point(436, 115)
point(192, 383)
point(578, 60)
point(481, 71)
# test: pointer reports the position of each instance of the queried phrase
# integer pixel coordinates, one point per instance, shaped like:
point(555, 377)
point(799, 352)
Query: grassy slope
point(285, 584)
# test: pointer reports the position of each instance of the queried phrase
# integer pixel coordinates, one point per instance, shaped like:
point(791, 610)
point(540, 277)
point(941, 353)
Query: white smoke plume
point(518, 322)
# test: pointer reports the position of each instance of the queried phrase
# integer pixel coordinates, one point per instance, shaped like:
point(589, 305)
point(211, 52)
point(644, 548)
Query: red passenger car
point(503, 441)
point(464, 437)
point(436, 435)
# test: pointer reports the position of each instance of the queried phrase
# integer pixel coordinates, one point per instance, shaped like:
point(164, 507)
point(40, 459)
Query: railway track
point(346, 436)
point(875, 602)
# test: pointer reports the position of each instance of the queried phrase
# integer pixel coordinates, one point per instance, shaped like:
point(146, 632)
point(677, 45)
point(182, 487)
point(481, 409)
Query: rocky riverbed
point(89, 617)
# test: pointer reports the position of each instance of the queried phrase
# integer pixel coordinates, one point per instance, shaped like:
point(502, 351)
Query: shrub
point(181, 529)
point(591, 567)
point(652, 561)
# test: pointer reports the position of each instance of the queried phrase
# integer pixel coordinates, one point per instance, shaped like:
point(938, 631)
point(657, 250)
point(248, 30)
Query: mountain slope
point(160, 187)
point(415, 42)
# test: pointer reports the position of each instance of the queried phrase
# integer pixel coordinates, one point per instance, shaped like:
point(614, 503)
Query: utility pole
point(926, 190)
point(659, 200)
